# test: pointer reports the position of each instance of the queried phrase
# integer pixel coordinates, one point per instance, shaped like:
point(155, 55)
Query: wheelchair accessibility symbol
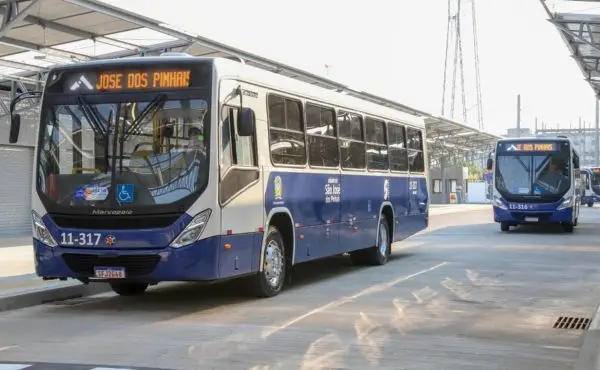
point(124, 193)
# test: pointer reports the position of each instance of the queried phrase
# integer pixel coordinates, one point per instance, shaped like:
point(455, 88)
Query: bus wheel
point(504, 226)
point(128, 288)
point(590, 204)
point(568, 226)
point(270, 280)
point(378, 255)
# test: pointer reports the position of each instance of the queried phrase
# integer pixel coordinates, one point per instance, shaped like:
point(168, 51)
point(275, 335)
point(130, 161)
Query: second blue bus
point(536, 180)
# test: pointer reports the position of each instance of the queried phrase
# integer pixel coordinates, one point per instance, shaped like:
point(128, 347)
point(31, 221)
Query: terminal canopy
point(448, 138)
point(38, 34)
point(581, 33)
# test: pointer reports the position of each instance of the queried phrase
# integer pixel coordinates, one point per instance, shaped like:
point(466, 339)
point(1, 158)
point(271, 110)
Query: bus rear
point(535, 181)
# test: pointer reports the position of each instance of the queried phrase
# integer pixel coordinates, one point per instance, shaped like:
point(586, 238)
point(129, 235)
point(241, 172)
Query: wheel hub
point(273, 266)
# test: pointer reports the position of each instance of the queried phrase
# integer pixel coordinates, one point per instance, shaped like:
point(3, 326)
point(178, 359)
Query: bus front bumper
point(205, 260)
point(527, 217)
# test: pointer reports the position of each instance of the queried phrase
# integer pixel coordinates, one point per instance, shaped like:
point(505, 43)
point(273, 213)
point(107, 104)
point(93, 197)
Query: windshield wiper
point(93, 117)
point(153, 106)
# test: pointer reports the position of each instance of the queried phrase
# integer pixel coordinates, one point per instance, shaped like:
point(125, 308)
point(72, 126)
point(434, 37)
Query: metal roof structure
point(37, 34)
point(448, 138)
point(581, 33)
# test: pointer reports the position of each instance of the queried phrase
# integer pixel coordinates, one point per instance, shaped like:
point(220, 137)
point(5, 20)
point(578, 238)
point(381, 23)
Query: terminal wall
point(448, 180)
point(16, 167)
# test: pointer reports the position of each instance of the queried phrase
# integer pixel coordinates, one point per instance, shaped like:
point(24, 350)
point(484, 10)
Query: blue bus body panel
point(545, 212)
point(326, 224)
point(124, 239)
point(343, 220)
point(204, 260)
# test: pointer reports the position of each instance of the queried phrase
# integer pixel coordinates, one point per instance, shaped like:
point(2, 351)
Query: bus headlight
point(497, 202)
point(567, 203)
point(40, 231)
point(193, 230)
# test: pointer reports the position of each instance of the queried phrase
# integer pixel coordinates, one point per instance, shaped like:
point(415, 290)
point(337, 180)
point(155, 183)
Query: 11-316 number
point(80, 238)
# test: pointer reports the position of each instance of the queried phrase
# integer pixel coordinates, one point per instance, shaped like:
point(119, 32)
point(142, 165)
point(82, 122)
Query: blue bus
point(590, 179)
point(536, 180)
point(177, 168)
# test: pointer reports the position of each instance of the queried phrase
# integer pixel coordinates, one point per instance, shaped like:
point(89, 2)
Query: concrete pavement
point(462, 296)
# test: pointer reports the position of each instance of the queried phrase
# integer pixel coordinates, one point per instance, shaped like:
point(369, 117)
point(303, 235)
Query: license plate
point(109, 272)
point(520, 206)
point(531, 219)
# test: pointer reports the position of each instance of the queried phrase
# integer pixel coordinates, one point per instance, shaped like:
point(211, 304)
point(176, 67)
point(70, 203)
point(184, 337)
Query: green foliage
point(475, 170)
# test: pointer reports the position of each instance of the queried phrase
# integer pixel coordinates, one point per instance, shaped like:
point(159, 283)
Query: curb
point(26, 298)
point(589, 352)
point(441, 211)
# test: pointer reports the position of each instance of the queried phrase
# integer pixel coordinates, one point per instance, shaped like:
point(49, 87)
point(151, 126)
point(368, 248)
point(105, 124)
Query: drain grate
point(572, 323)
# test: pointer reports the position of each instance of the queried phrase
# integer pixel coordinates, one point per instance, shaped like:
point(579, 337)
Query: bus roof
point(227, 67)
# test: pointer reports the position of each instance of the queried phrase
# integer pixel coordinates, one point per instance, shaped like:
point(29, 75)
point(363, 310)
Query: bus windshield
point(545, 175)
point(133, 153)
point(595, 179)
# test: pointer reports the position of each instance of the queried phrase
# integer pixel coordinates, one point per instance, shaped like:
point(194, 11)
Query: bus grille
point(135, 265)
point(114, 222)
point(542, 216)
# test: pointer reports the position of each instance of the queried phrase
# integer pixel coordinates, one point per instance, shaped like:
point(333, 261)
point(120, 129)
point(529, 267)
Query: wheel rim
point(383, 240)
point(273, 264)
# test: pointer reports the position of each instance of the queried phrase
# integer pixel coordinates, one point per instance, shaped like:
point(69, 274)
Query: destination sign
point(115, 81)
point(530, 147)
point(131, 77)
point(160, 79)
point(596, 170)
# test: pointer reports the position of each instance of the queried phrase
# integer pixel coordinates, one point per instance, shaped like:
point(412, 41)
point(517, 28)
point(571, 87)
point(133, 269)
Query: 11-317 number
point(80, 238)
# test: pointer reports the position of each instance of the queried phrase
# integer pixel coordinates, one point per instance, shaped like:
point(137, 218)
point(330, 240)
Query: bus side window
point(239, 152)
point(352, 141)
point(414, 142)
point(236, 150)
point(377, 146)
point(286, 131)
point(397, 147)
point(321, 136)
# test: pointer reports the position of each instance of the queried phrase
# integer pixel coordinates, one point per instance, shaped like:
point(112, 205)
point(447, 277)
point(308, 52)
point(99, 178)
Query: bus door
point(417, 184)
point(587, 196)
point(240, 185)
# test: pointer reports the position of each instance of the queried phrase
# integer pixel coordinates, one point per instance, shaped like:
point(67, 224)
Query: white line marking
point(7, 348)
point(562, 348)
point(595, 324)
point(424, 294)
point(372, 289)
point(14, 366)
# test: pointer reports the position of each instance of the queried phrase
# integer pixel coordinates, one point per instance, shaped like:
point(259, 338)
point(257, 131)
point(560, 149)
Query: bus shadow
point(176, 299)
point(553, 229)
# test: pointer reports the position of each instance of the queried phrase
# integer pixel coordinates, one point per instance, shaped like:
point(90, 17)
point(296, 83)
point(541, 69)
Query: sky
point(396, 49)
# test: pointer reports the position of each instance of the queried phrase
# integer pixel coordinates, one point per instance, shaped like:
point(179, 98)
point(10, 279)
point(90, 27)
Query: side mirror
point(490, 164)
point(15, 127)
point(575, 162)
point(245, 122)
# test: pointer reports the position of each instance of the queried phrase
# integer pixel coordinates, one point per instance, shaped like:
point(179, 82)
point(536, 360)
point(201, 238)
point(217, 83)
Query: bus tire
point(270, 280)
point(504, 226)
point(590, 204)
point(568, 227)
point(378, 254)
point(128, 288)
